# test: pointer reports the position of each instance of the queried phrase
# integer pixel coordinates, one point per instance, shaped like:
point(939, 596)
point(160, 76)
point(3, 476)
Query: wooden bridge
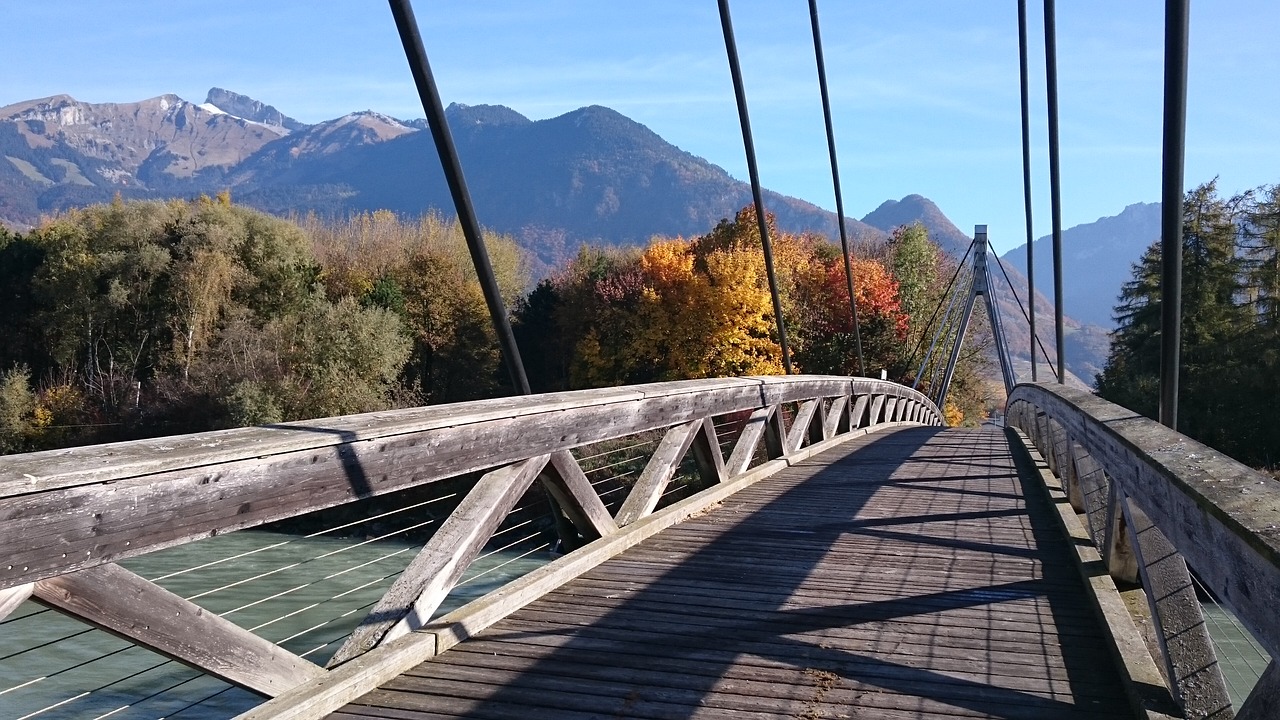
point(803, 546)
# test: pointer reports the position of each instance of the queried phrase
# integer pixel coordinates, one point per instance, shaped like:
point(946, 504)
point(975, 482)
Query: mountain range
point(591, 175)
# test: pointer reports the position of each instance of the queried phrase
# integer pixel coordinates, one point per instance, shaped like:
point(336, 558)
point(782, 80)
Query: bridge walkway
point(914, 573)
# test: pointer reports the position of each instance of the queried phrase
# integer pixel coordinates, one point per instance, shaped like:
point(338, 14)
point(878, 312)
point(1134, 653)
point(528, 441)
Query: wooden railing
point(1155, 501)
point(68, 516)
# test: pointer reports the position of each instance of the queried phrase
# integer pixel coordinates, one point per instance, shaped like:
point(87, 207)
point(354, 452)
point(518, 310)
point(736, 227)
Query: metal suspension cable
point(431, 104)
point(1176, 29)
point(1055, 183)
point(308, 536)
point(835, 180)
point(920, 343)
point(946, 320)
point(740, 93)
point(1026, 175)
point(949, 324)
point(1014, 290)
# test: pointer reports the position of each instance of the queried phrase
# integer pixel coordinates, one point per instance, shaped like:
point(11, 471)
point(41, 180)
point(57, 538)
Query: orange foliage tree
point(701, 308)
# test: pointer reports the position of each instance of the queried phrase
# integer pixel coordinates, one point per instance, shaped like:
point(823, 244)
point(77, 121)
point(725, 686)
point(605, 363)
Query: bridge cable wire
point(740, 94)
point(1176, 29)
point(937, 336)
point(911, 359)
point(425, 81)
point(1233, 627)
point(1014, 290)
point(835, 180)
point(937, 371)
point(1055, 180)
point(1026, 177)
point(946, 320)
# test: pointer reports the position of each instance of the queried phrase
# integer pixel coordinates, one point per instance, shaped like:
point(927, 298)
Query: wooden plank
point(837, 420)
point(1144, 686)
point(124, 604)
point(1187, 651)
point(800, 425)
point(891, 409)
point(566, 482)
point(877, 405)
point(706, 451)
point(343, 684)
point(744, 450)
point(12, 598)
point(680, 638)
point(858, 415)
point(1221, 515)
point(36, 472)
point(415, 595)
point(254, 476)
point(661, 467)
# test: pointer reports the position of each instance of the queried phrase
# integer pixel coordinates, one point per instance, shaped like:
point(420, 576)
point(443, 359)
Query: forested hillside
point(1230, 372)
point(145, 318)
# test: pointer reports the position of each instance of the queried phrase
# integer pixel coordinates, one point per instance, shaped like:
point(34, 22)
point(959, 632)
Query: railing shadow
point(734, 598)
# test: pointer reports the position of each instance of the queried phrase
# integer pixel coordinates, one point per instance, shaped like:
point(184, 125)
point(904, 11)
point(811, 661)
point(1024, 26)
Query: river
point(304, 593)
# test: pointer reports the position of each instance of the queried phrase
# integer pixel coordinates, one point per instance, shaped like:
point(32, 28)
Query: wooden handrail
point(67, 516)
point(1152, 497)
point(71, 509)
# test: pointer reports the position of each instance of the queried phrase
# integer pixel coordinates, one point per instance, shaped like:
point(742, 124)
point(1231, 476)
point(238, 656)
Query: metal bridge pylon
point(980, 287)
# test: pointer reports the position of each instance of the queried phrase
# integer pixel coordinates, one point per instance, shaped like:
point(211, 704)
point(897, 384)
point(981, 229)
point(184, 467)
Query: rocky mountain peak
point(243, 106)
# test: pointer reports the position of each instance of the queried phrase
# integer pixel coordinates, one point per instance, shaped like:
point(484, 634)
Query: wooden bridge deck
point(906, 574)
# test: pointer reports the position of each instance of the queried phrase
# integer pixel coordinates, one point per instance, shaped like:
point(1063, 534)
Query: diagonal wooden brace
point(136, 609)
point(420, 589)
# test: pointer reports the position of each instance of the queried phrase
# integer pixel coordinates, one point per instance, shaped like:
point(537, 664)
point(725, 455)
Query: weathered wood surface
point(363, 674)
point(108, 502)
point(131, 607)
point(851, 585)
point(1222, 516)
point(661, 467)
point(566, 482)
point(423, 585)
point(1190, 662)
point(12, 598)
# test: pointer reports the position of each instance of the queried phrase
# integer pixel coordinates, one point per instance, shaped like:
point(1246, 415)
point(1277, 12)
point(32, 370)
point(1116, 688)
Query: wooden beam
point(423, 585)
point(1219, 514)
point(104, 503)
point(1189, 659)
point(706, 451)
point(837, 420)
point(858, 415)
point(877, 404)
point(12, 598)
point(342, 685)
point(1122, 563)
point(566, 482)
point(138, 610)
point(1094, 489)
point(661, 467)
point(744, 450)
point(775, 434)
point(891, 409)
point(800, 425)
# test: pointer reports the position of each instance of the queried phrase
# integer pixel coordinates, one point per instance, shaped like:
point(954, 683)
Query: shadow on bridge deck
point(908, 574)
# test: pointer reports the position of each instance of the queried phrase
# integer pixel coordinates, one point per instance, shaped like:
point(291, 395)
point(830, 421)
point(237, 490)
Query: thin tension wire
point(740, 93)
point(835, 180)
point(1014, 290)
point(1026, 179)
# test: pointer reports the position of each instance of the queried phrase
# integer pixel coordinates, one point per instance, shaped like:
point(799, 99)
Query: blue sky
point(924, 92)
